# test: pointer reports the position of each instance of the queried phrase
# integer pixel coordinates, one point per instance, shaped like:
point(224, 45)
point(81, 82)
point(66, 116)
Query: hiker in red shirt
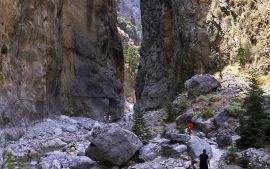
point(190, 127)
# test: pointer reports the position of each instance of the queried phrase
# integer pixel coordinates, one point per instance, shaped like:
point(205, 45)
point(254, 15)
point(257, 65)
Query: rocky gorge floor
point(49, 140)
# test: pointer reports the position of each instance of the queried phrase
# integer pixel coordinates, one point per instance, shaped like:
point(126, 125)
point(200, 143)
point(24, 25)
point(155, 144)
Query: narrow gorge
point(113, 84)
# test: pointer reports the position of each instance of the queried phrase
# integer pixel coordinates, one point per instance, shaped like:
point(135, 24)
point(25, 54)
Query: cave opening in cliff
point(130, 30)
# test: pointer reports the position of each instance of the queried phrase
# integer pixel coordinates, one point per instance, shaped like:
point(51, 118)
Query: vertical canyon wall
point(59, 57)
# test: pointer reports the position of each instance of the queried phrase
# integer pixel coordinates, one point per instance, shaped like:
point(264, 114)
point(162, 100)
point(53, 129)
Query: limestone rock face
point(112, 144)
point(186, 37)
point(59, 56)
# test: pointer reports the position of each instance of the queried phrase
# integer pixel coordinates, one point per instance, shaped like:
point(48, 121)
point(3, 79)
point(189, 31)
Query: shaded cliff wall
point(186, 37)
point(175, 46)
point(59, 57)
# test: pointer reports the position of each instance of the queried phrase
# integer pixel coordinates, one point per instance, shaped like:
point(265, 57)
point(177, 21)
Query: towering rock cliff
point(185, 37)
point(59, 57)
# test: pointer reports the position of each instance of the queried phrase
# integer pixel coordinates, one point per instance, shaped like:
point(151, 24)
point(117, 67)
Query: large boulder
point(224, 138)
point(196, 146)
point(201, 84)
point(222, 117)
point(184, 118)
point(149, 152)
point(112, 144)
point(232, 167)
point(173, 135)
point(205, 126)
point(173, 150)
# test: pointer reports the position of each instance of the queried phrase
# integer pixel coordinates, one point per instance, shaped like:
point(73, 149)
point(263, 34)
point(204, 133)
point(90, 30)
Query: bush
point(234, 109)
point(139, 127)
point(215, 98)
point(184, 105)
point(208, 113)
point(8, 161)
point(171, 112)
point(202, 98)
point(181, 128)
point(242, 55)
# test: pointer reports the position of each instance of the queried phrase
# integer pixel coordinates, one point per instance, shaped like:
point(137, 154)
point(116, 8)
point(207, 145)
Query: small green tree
point(242, 55)
point(8, 161)
point(252, 121)
point(139, 127)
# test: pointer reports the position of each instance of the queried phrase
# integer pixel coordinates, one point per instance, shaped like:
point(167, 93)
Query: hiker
point(187, 131)
point(72, 148)
point(190, 127)
point(29, 156)
point(192, 166)
point(204, 160)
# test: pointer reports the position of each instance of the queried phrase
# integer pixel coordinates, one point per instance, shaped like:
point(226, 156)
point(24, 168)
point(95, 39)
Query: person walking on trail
point(204, 160)
point(190, 127)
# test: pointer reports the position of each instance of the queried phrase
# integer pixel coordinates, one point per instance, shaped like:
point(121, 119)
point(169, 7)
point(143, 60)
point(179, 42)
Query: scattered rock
point(201, 84)
point(54, 143)
point(205, 126)
point(184, 118)
point(177, 137)
point(112, 144)
point(196, 146)
point(149, 152)
point(256, 159)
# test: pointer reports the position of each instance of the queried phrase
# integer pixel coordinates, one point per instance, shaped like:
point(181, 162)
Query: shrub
point(184, 105)
point(171, 112)
point(215, 98)
point(208, 113)
point(8, 161)
point(202, 98)
point(139, 128)
point(181, 128)
point(218, 12)
point(242, 55)
point(234, 109)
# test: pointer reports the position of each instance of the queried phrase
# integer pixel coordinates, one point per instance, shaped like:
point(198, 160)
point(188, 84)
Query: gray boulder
point(177, 137)
point(112, 144)
point(201, 84)
point(224, 138)
point(221, 117)
point(184, 118)
point(173, 150)
point(205, 126)
point(232, 167)
point(196, 146)
point(173, 135)
point(81, 162)
point(149, 152)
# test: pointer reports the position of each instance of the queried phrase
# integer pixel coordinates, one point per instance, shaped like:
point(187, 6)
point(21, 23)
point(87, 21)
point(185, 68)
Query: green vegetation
point(214, 98)
point(172, 114)
point(218, 12)
point(181, 128)
point(202, 98)
point(242, 56)
point(8, 161)
point(254, 123)
point(208, 113)
point(132, 60)
point(184, 104)
point(234, 109)
point(139, 127)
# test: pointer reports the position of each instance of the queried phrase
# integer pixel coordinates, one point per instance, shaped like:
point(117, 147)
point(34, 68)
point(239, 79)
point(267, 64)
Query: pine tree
point(139, 127)
point(252, 121)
